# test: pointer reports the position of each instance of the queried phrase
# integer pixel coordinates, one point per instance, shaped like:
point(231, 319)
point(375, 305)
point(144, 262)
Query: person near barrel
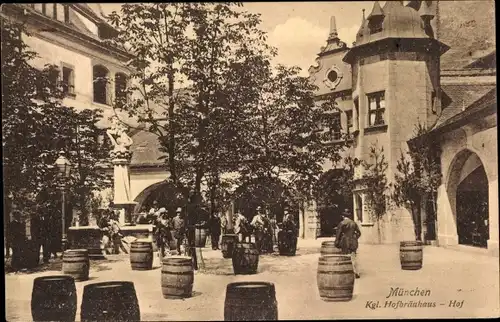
point(179, 226)
point(215, 231)
point(40, 234)
point(103, 224)
point(223, 224)
point(116, 235)
point(17, 236)
point(241, 227)
point(288, 226)
point(347, 237)
point(258, 225)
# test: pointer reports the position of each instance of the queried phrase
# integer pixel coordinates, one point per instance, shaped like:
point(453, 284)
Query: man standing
point(215, 231)
point(223, 224)
point(258, 225)
point(290, 229)
point(179, 229)
point(347, 238)
point(240, 227)
point(116, 235)
point(17, 235)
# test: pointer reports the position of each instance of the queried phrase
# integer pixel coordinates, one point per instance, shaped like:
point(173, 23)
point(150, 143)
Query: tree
point(375, 184)
point(287, 135)
point(418, 176)
point(36, 126)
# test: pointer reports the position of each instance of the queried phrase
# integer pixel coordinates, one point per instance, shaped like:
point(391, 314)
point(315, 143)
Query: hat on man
point(178, 210)
point(162, 210)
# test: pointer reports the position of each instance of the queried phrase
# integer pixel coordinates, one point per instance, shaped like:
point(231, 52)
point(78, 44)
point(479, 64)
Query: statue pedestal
point(122, 195)
point(312, 221)
point(126, 208)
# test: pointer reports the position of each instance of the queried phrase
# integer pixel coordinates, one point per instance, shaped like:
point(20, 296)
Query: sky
point(299, 29)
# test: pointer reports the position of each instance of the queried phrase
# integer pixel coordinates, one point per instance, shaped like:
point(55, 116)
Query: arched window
point(120, 88)
point(100, 79)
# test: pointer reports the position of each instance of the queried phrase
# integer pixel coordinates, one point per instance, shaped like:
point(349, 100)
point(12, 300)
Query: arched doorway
point(269, 193)
point(468, 185)
point(165, 193)
point(332, 196)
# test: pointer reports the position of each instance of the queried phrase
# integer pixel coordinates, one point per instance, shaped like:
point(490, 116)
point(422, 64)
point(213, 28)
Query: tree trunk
point(171, 125)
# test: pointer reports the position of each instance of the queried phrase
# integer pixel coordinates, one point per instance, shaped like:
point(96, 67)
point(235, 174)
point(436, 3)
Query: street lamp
point(64, 167)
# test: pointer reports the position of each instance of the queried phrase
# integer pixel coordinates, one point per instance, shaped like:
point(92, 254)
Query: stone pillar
point(446, 223)
point(122, 194)
point(493, 217)
point(312, 222)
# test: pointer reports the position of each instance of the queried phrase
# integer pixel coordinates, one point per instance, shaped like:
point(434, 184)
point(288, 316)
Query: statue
point(121, 141)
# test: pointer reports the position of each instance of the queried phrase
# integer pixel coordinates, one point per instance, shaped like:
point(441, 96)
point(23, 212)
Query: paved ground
point(469, 279)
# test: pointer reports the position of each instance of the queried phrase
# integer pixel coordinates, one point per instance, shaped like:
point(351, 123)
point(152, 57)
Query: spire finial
point(364, 14)
point(333, 28)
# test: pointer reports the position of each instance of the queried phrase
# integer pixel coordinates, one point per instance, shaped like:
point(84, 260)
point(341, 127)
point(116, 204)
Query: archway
point(165, 193)
point(333, 195)
point(468, 187)
point(268, 193)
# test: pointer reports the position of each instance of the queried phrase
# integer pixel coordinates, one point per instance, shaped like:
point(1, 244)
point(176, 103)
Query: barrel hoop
point(177, 273)
point(336, 272)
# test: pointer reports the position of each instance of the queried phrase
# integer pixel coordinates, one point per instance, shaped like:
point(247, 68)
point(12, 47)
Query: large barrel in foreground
point(227, 245)
point(245, 258)
point(335, 278)
point(177, 277)
point(411, 255)
point(141, 255)
point(250, 301)
point(287, 242)
point(110, 301)
point(328, 248)
point(76, 263)
point(53, 298)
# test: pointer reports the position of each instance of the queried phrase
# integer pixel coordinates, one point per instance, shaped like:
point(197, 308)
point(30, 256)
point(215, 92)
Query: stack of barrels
point(250, 301)
point(245, 258)
point(141, 255)
point(177, 277)
point(110, 301)
point(335, 276)
point(227, 245)
point(76, 263)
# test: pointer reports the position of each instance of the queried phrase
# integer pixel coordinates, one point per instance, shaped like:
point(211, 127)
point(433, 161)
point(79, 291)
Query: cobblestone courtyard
point(470, 281)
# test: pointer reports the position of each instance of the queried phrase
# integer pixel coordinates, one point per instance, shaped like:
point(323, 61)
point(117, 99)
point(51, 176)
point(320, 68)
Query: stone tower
point(395, 73)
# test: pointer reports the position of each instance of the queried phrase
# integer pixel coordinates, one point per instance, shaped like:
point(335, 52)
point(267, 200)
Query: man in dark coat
point(179, 226)
point(215, 230)
point(347, 238)
point(17, 235)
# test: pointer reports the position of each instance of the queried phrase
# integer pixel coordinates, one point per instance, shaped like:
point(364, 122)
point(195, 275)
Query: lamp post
point(64, 167)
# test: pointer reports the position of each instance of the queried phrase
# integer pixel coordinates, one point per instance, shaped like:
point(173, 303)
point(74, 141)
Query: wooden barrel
point(76, 263)
point(177, 277)
point(335, 278)
point(328, 248)
point(250, 301)
point(141, 255)
point(200, 237)
point(227, 245)
point(410, 254)
point(111, 301)
point(245, 258)
point(53, 298)
point(287, 243)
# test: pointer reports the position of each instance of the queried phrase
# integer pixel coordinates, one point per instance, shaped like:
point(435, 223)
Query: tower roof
point(399, 22)
point(376, 11)
point(362, 29)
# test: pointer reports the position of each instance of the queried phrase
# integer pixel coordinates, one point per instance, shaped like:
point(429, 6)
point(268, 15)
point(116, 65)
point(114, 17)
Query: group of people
point(264, 227)
point(111, 232)
point(44, 234)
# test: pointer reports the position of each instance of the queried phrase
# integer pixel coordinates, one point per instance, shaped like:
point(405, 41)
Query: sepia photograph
point(250, 161)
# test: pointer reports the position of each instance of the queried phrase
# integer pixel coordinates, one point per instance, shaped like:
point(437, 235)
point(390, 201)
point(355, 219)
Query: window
point(120, 88)
point(359, 207)
point(375, 26)
point(376, 108)
point(100, 78)
point(68, 81)
point(336, 127)
point(50, 9)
